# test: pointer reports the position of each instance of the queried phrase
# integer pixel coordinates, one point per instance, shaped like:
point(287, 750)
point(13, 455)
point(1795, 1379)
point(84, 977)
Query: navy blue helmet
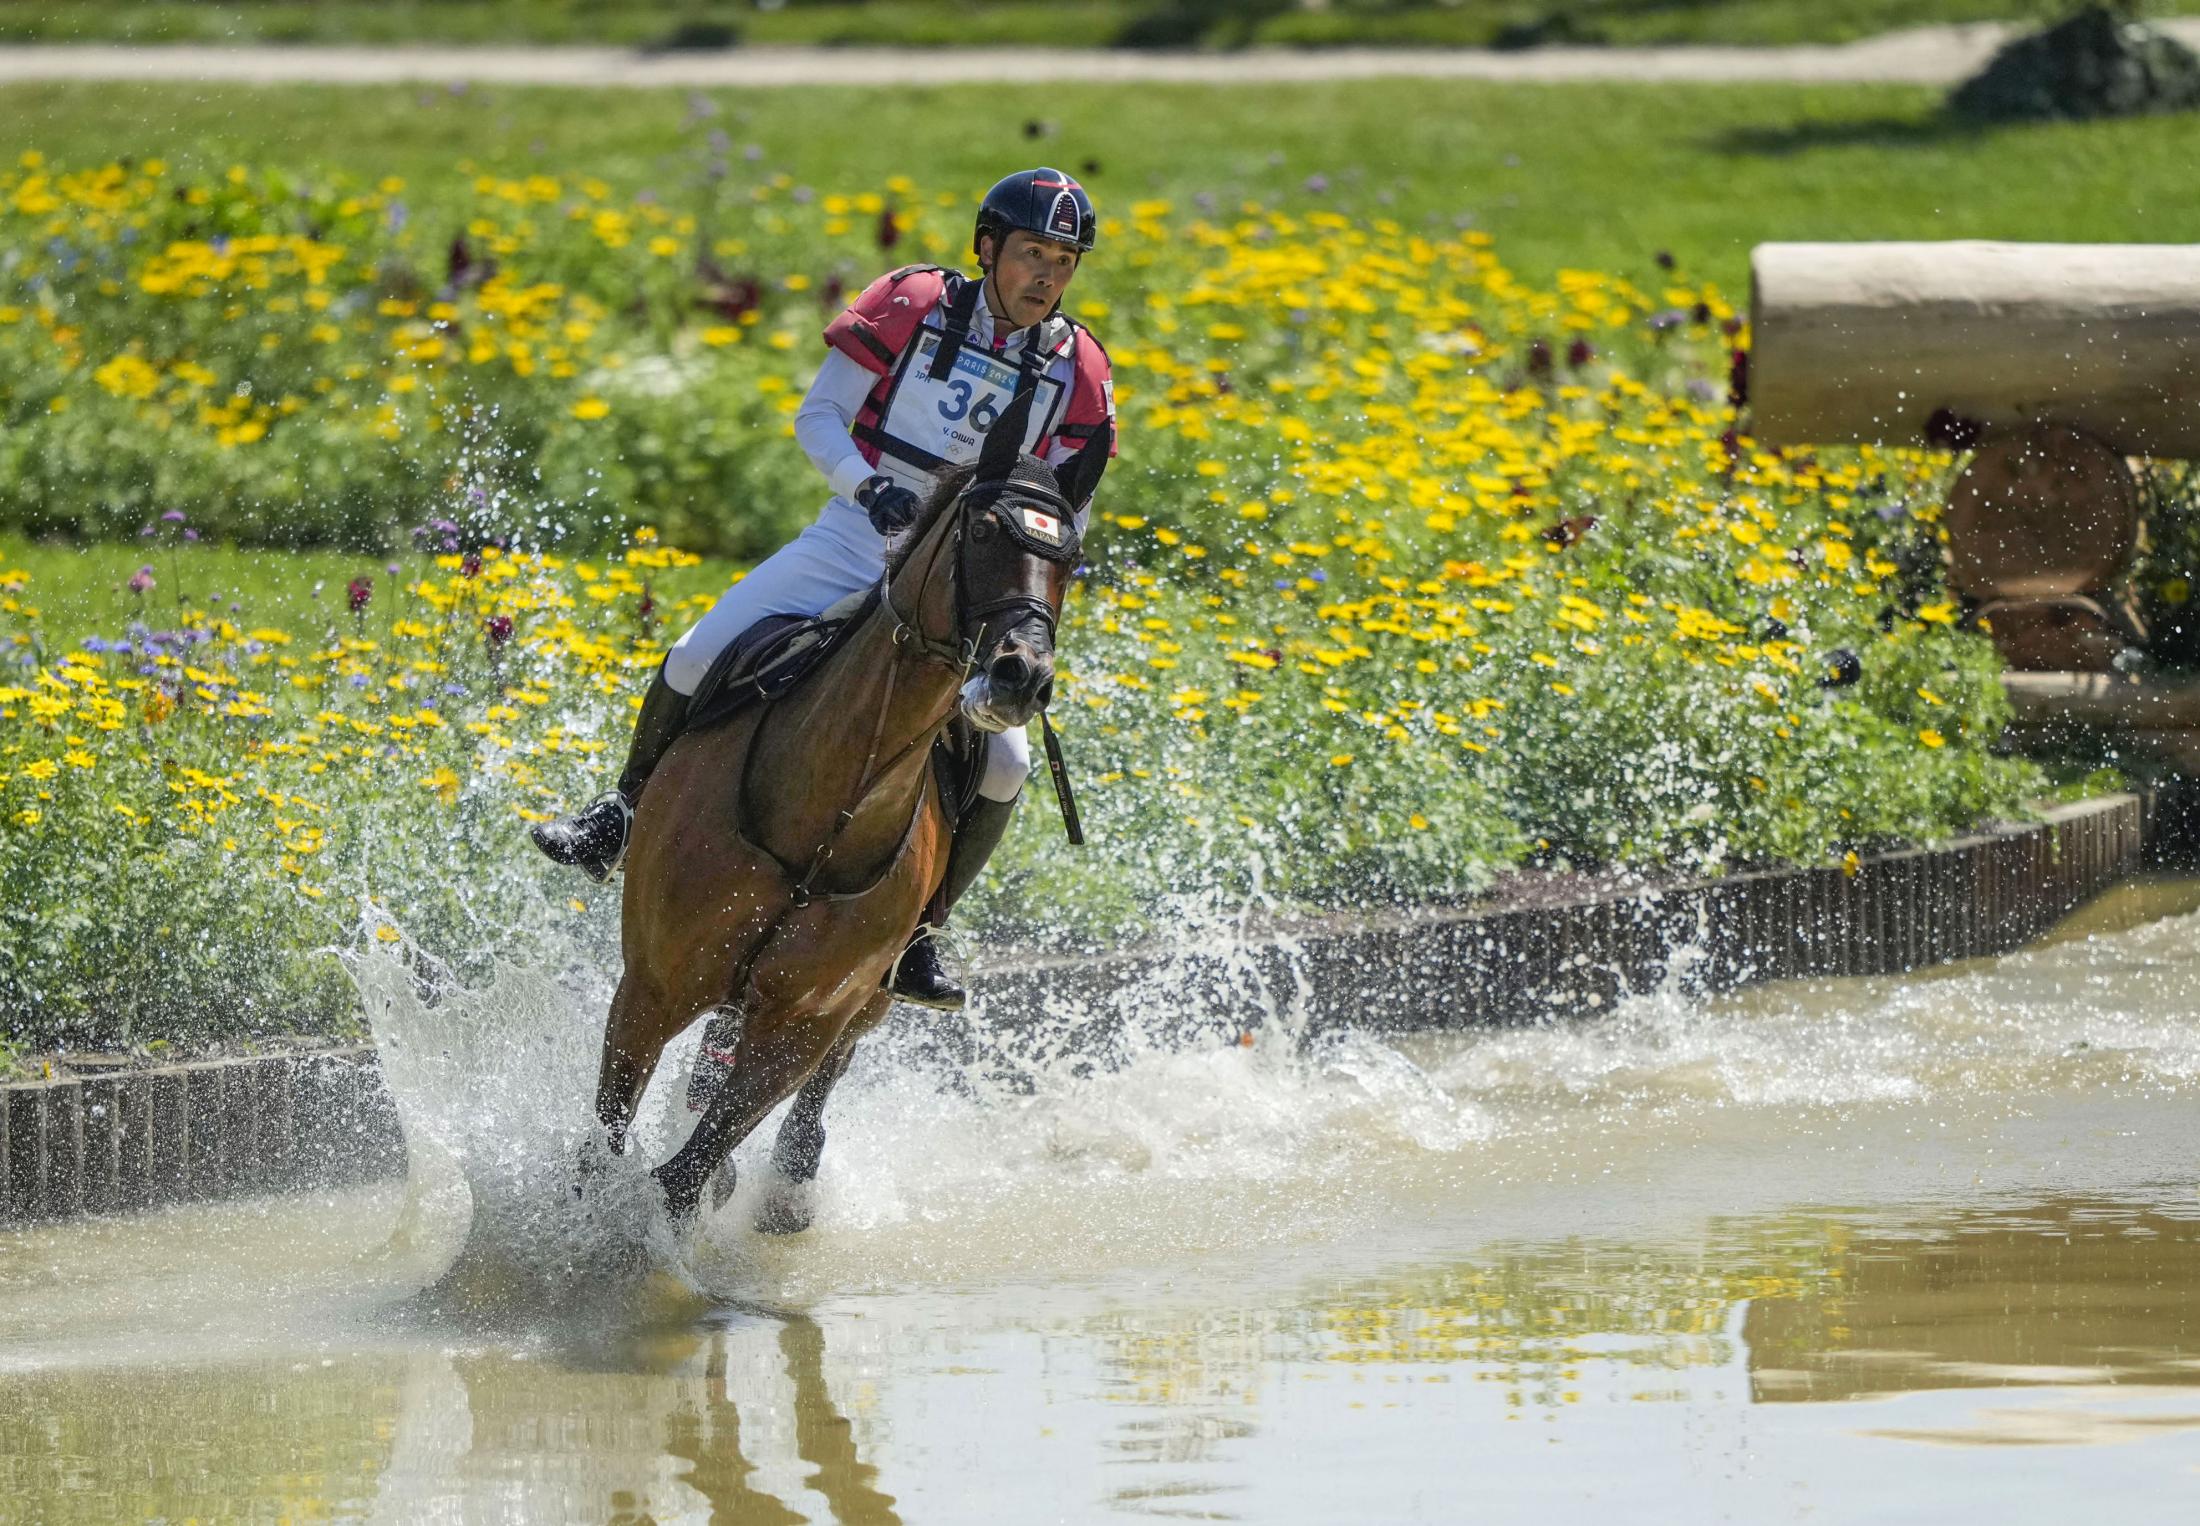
point(1042, 201)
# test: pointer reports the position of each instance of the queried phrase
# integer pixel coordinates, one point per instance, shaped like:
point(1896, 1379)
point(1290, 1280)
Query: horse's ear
point(1004, 442)
point(1080, 474)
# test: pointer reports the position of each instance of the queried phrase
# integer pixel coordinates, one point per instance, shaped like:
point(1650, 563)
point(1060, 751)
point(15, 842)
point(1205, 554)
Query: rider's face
point(1030, 274)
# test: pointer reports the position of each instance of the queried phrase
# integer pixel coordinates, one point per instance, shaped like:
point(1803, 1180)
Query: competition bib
point(930, 424)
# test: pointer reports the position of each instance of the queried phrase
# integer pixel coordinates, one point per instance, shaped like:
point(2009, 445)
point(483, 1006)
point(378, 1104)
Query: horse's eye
point(985, 526)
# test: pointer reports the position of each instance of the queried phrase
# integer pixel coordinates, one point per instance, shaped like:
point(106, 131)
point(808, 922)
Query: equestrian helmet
point(1043, 202)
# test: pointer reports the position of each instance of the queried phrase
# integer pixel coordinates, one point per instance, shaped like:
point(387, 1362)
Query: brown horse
point(780, 861)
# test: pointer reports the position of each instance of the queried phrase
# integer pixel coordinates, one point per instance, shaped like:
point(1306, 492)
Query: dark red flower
point(1737, 378)
point(1539, 359)
point(833, 293)
point(728, 296)
point(500, 629)
point(1580, 353)
point(462, 268)
point(889, 229)
point(471, 566)
point(358, 592)
point(648, 606)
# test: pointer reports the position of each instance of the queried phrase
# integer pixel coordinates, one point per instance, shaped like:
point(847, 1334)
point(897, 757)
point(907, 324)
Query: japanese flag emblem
point(1044, 526)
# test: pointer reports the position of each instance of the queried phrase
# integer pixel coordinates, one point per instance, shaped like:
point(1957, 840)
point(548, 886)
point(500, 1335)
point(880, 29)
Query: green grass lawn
point(1066, 23)
point(1583, 176)
point(82, 591)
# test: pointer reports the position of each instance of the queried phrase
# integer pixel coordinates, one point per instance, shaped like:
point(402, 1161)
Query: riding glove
point(891, 506)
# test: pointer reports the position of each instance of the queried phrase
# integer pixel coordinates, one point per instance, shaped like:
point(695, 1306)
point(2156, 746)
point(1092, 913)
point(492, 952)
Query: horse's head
point(1013, 523)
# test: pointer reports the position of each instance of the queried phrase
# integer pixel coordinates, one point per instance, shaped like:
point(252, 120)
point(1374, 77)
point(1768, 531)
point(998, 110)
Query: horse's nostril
point(1011, 671)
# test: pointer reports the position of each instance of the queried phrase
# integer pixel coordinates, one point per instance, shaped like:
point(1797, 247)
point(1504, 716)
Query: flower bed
point(1410, 572)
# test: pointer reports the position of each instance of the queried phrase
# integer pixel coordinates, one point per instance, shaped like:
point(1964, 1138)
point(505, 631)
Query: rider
point(887, 411)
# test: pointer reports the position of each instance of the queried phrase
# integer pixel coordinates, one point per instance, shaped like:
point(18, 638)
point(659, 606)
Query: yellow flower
point(1931, 738)
point(591, 408)
point(1340, 759)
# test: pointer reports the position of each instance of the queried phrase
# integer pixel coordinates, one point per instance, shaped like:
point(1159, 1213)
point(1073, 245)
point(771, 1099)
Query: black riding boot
point(920, 975)
point(594, 839)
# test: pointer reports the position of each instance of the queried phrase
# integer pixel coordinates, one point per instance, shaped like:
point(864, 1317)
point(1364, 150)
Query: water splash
point(1196, 1110)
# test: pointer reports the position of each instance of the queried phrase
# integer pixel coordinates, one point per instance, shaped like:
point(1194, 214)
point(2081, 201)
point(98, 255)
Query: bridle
point(960, 652)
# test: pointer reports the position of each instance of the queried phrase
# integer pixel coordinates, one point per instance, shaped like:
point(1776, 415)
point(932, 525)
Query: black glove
point(891, 506)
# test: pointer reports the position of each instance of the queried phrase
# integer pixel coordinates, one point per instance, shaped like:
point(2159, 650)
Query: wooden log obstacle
point(2054, 364)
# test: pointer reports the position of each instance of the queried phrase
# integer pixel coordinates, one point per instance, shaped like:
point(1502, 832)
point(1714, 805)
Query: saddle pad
point(771, 657)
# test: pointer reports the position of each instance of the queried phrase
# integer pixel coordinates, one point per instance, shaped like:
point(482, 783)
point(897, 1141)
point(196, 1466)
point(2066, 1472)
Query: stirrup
point(919, 977)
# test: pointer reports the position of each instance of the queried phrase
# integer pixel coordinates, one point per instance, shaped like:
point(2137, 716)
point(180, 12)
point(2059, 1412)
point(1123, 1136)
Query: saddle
point(778, 652)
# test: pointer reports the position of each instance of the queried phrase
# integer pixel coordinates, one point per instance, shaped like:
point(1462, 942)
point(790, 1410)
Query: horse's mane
point(949, 488)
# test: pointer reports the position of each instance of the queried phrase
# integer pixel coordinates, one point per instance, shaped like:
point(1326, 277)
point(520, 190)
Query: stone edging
point(220, 1128)
point(194, 1132)
point(1979, 895)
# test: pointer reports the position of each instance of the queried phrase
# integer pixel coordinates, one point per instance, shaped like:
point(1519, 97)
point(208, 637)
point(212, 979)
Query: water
point(1883, 1250)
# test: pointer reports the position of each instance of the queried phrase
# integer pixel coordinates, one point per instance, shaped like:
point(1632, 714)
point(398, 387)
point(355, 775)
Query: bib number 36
point(982, 414)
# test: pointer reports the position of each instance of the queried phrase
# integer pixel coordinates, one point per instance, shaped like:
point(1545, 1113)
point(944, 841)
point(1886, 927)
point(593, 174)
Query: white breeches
point(838, 555)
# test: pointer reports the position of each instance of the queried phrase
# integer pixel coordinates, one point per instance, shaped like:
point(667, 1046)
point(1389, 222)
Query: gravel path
point(1926, 56)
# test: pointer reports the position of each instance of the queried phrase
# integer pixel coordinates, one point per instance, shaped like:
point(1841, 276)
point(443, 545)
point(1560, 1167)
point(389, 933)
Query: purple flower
point(190, 535)
point(95, 644)
point(141, 580)
point(172, 517)
point(1317, 183)
point(358, 680)
point(1318, 575)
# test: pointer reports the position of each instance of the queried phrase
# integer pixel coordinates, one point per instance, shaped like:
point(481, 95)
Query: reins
point(906, 634)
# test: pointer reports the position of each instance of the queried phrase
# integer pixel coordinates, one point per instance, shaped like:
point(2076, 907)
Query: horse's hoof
point(786, 1209)
point(682, 1202)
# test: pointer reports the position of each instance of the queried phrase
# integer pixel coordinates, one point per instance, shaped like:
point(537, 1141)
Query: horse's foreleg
point(774, 1059)
point(628, 1059)
point(633, 1037)
point(796, 1152)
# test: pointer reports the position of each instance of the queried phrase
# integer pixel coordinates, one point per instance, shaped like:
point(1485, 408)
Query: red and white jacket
point(925, 410)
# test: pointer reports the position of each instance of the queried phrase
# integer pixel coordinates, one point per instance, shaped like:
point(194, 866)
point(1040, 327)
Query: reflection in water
point(649, 1427)
point(1221, 1399)
point(2060, 1292)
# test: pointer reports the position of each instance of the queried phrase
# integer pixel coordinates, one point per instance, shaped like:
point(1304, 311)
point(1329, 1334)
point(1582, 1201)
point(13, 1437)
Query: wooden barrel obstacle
point(2053, 363)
